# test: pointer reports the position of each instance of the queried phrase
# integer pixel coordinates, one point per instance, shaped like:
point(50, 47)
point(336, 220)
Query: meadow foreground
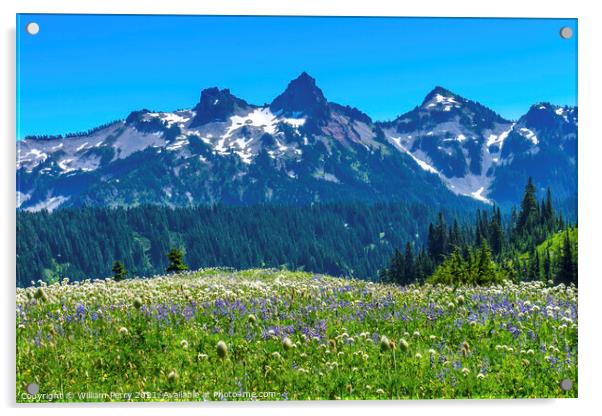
point(276, 335)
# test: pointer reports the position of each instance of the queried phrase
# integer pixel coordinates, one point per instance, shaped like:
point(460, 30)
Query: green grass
point(313, 337)
point(554, 244)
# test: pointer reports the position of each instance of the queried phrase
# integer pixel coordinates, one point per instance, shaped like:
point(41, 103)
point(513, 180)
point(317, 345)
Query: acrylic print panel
point(295, 208)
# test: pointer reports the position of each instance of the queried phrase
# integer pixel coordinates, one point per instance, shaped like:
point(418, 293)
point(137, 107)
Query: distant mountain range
point(299, 149)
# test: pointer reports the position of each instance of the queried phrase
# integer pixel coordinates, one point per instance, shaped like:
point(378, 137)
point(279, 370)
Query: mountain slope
point(299, 149)
point(543, 145)
point(478, 153)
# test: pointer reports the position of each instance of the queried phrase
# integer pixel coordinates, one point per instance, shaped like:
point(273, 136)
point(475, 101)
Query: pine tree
point(496, 233)
point(424, 266)
point(438, 239)
point(486, 267)
point(455, 239)
point(534, 269)
point(548, 211)
point(547, 265)
point(409, 267)
point(430, 241)
point(396, 269)
point(478, 238)
point(560, 222)
point(513, 219)
point(119, 271)
point(528, 209)
point(459, 273)
point(419, 270)
point(176, 261)
point(519, 271)
point(383, 275)
point(567, 271)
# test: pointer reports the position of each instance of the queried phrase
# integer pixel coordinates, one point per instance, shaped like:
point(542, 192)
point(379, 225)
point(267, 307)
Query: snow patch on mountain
point(261, 117)
point(180, 142)
point(64, 165)
point(178, 117)
point(566, 113)
point(478, 194)
point(245, 156)
point(528, 134)
point(49, 204)
point(325, 176)
point(221, 146)
point(294, 122)
point(446, 102)
point(498, 140)
point(131, 141)
point(244, 151)
point(425, 166)
point(474, 186)
point(34, 155)
point(81, 147)
point(22, 198)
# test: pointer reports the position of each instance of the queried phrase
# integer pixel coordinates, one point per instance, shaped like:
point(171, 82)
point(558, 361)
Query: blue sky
point(85, 70)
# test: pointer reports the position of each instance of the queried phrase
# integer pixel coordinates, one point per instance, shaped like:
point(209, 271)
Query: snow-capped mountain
point(478, 153)
point(300, 148)
point(543, 145)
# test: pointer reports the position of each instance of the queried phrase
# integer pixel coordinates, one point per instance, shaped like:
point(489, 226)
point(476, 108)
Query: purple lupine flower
point(80, 310)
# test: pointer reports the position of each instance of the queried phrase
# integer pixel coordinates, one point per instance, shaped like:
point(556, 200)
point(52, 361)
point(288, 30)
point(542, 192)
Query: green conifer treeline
point(350, 239)
point(526, 248)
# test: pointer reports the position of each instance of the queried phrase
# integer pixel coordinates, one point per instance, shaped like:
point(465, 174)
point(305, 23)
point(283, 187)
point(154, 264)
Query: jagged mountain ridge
point(477, 152)
point(300, 148)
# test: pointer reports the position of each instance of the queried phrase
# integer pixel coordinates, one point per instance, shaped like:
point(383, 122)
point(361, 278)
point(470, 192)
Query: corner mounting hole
point(32, 28)
point(566, 32)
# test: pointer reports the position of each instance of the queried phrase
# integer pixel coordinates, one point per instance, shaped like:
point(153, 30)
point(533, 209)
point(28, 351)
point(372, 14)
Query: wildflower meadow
point(275, 335)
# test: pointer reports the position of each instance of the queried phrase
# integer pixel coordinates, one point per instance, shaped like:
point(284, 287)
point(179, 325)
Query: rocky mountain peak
point(217, 105)
point(302, 97)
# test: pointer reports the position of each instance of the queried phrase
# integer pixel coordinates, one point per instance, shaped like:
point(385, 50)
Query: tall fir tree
point(528, 209)
point(455, 238)
point(567, 270)
point(409, 268)
point(547, 265)
point(496, 233)
point(548, 211)
point(534, 268)
point(478, 238)
point(438, 239)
